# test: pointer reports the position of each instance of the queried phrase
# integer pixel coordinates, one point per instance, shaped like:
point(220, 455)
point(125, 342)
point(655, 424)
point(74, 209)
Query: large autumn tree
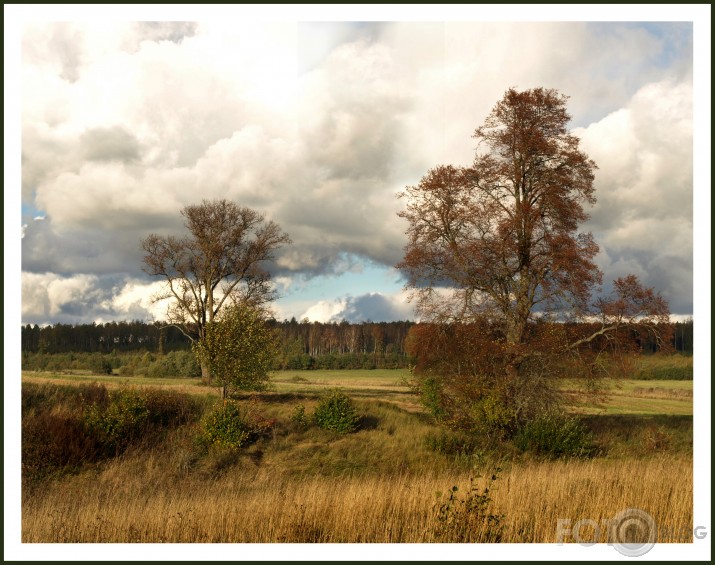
point(496, 246)
point(221, 260)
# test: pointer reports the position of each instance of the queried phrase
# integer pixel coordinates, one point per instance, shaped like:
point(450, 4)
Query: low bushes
point(555, 435)
point(65, 427)
point(114, 424)
point(336, 412)
point(225, 427)
point(173, 364)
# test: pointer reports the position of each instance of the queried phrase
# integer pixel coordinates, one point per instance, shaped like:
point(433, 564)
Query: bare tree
point(221, 259)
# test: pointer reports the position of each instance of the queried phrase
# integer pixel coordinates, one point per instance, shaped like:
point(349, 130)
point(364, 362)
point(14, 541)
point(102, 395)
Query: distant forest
point(303, 345)
point(297, 339)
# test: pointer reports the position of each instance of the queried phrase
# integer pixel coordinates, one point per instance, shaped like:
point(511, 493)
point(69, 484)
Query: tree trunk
point(205, 373)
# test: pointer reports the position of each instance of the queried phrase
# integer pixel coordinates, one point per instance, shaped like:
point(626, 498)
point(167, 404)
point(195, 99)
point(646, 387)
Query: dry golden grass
point(189, 386)
point(133, 500)
point(377, 485)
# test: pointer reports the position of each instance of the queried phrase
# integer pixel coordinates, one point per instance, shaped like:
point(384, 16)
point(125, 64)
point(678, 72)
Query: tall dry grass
point(133, 500)
point(303, 484)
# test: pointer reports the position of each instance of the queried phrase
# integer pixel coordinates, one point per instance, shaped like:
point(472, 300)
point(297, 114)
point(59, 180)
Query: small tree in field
point(494, 259)
point(221, 260)
point(239, 348)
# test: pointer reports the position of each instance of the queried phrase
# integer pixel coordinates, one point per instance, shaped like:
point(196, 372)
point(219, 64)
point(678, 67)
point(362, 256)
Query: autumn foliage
point(503, 278)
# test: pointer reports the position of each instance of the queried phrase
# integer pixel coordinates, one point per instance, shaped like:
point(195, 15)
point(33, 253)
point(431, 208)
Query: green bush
point(493, 416)
point(226, 427)
point(99, 364)
point(665, 374)
point(174, 364)
point(556, 435)
point(431, 396)
point(299, 417)
point(336, 412)
point(119, 420)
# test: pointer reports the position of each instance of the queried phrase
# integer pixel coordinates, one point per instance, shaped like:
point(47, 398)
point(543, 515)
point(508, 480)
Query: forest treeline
point(302, 345)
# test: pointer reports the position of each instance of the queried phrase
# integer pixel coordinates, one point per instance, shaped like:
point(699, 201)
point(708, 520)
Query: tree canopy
point(504, 231)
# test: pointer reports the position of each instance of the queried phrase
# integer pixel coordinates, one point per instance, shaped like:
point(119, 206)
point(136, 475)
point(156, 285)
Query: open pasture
point(622, 396)
point(384, 483)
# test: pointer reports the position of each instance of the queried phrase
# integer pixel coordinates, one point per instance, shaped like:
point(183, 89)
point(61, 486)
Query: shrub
point(170, 408)
point(335, 412)
point(470, 519)
point(99, 364)
point(174, 364)
point(226, 427)
point(52, 443)
point(122, 419)
point(432, 398)
point(299, 416)
point(554, 434)
point(238, 347)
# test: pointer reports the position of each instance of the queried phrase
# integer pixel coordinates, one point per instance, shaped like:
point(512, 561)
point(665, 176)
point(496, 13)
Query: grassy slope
point(377, 485)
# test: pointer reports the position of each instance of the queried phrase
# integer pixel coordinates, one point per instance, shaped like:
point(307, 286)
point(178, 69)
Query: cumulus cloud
point(644, 216)
point(109, 144)
point(87, 298)
point(318, 126)
point(374, 307)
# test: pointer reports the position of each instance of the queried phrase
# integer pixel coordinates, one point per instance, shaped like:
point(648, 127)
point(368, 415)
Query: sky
point(318, 125)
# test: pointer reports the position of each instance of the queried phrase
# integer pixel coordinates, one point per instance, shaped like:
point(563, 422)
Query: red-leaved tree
point(501, 273)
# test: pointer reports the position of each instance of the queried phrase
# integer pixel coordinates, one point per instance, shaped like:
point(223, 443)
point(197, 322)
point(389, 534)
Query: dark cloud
point(669, 274)
point(109, 144)
point(48, 249)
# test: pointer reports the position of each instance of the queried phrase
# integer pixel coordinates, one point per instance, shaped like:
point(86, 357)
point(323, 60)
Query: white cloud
point(325, 310)
point(374, 306)
point(54, 296)
point(319, 126)
point(643, 219)
point(136, 298)
point(85, 298)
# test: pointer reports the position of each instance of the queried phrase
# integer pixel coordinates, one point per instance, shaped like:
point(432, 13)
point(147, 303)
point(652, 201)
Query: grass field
point(623, 396)
point(384, 483)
